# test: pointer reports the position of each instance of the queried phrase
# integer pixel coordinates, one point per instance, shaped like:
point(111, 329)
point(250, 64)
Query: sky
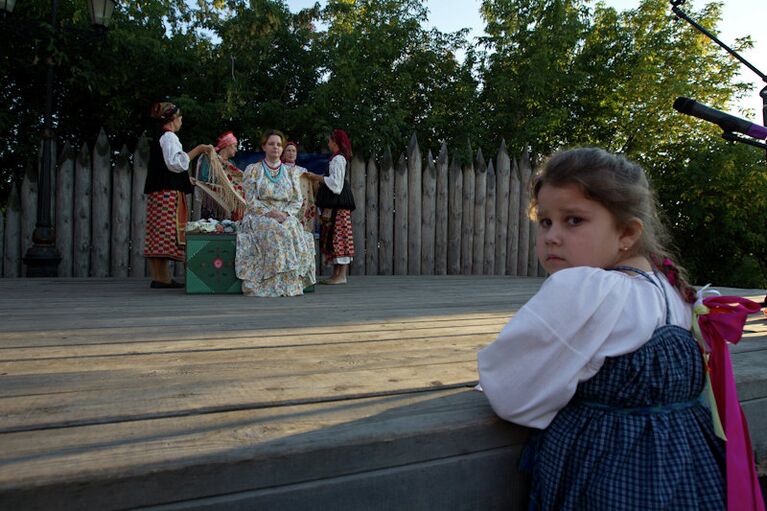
point(739, 18)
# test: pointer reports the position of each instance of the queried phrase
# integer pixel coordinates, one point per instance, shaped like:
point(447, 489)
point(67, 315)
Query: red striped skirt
point(166, 215)
point(336, 238)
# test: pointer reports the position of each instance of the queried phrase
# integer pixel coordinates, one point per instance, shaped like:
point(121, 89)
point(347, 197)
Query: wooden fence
point(414, 216)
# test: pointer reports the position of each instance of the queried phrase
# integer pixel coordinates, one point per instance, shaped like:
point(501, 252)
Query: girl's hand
point(311, 176)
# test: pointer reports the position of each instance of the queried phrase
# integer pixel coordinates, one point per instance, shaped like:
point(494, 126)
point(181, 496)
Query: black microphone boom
point(727, 122)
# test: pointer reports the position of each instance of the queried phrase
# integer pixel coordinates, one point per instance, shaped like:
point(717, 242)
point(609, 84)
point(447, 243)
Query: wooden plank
point(502, 172)
point(401, 204)
point(12, 235)
point(100, 466)
point(467, 217)
point(371, 218)
point(523, 255)
point(455, 217)
point(358, 179)
point(64, 210)
point(29, 190)
point(137, 261)
point(386, 216)
point(512, 236)
point(415, 178)
point(480, 199)
point(490, 207)
point(428, 227)
point(121, 202)
point(82, 214)
point(100, 208)
point(441, 220)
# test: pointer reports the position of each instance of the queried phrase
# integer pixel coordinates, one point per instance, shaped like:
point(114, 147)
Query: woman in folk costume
point(336, 241)
point(167, 183)
point(308, 213)
point(274, 256)
point(214, 202)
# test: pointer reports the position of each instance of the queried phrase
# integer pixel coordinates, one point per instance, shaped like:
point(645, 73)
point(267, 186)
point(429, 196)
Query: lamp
point(101, 12)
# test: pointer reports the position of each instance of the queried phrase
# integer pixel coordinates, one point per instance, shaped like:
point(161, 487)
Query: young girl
point(602, 358)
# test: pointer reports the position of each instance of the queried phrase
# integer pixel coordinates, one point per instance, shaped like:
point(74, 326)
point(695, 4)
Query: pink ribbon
point(722, 324)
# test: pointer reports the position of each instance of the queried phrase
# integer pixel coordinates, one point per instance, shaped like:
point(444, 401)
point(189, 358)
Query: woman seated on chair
point(274, 256)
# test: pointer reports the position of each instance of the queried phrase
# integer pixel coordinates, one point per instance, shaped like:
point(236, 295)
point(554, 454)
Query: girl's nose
point(552, 235)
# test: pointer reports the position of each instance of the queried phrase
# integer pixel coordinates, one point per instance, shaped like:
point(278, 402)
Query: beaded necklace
point(275, 178)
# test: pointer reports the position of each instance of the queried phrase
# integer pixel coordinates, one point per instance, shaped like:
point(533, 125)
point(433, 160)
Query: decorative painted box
point(210, 264)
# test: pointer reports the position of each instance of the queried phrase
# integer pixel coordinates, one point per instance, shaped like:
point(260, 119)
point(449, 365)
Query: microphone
point(727, 122)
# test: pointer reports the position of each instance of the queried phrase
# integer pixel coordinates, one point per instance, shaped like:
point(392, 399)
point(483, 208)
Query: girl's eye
point(574, 220)
point(544, 222)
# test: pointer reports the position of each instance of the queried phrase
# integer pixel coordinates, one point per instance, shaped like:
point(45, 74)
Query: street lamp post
point(42, 259)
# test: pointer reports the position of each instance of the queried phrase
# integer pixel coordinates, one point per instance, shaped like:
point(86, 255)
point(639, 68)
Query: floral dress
point(273, 258)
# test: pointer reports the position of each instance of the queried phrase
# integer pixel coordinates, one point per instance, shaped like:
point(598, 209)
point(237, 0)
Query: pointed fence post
point(82, 221)
point(512, 234)
point(121, 196)
point(455, 217)
point(138, 209)
point(401, 203)
point(65, 182)
point(101, 206)
point(441, 220)
point(357, 179)
point(502, 171)
point(480, 199)
point(371, 218)
point(12, 235)
point(489, 266)
point(386, 216)
point(524, 222)
point(428, 206)
point(415, 207)
point(467, 216)
point(29, 191)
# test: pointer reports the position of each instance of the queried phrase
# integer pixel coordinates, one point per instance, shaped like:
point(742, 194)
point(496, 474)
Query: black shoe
point(156, 284)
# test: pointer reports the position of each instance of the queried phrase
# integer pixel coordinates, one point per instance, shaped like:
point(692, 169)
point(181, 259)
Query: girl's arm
point(173, 153)
point(533, 368)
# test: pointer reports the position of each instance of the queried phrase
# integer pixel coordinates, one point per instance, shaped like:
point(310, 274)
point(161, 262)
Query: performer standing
point(336, 240)
point(167, 183)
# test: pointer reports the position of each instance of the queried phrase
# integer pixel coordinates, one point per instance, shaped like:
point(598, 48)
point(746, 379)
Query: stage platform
point(356, 397)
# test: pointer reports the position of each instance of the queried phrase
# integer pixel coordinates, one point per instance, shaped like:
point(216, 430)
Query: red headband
point(225, 140)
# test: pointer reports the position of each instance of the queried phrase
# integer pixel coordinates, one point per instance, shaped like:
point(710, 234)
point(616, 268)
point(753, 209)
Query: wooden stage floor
point(117, 396)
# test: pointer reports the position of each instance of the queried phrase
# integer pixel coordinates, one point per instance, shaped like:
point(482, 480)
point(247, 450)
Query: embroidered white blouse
point(563, 334)
point(175, 158)
point(335, 178)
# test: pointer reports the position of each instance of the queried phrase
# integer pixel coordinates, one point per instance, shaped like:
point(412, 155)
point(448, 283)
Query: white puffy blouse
point(337, 171)
point(563, 334)
point(175, 158)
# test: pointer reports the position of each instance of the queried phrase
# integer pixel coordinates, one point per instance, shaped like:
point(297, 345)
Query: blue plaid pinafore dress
point(634, 436)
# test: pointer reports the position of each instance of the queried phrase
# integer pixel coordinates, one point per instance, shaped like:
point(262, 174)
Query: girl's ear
point(631, 233)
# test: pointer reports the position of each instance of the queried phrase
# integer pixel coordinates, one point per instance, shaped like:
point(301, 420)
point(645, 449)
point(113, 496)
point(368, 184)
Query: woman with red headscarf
point(226, 147)
point(336, 241)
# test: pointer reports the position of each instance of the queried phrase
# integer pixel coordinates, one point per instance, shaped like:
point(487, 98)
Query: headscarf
point(224, 140)
point(341, 139)
point(164, 111)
